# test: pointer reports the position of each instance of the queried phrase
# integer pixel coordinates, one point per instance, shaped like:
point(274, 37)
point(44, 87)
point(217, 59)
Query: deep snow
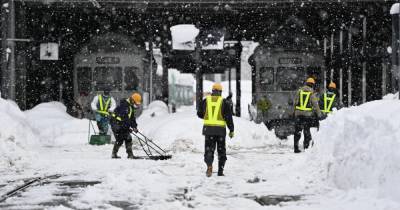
point(353, 164)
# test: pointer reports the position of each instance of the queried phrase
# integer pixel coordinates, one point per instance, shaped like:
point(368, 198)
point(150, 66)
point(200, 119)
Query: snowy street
point(261, 170)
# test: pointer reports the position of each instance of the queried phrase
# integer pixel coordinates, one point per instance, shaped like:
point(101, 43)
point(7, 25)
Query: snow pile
point(16, 136)
point(182, 131)
point(358, 148)
point(55, 126)
point(155, 109)
point(391, 96)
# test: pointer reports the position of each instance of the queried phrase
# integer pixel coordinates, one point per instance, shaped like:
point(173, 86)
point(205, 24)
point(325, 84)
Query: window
point(131, 80)
point(84, 79)
point(266, 75)
point(290, 78)
point(107, 78)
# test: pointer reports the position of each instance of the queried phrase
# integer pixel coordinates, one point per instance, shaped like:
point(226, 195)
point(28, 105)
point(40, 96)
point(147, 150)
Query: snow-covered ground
point(353, 164)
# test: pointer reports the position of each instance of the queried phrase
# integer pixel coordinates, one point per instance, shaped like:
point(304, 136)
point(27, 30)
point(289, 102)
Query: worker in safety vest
point(328, 101)
point(306, 110)
point(123, 122)
point(102, 105)
point(217, 114)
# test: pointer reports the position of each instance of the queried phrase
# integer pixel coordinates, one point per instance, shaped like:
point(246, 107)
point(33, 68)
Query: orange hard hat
point(310, 80)
point(136, 98)
point(332, 85)
point(217, 86)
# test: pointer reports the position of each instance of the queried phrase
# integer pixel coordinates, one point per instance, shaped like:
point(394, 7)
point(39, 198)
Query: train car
point(111, 62)
point(281, 67)
point(181, 88)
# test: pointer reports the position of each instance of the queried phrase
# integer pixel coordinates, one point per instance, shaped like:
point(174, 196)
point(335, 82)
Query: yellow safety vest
point(131, 111)
point(304, 98)
point(103, 109)
point(213, 115)
point(328, 102)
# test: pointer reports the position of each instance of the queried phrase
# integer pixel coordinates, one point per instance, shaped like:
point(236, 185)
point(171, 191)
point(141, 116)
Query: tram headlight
point(263, 105)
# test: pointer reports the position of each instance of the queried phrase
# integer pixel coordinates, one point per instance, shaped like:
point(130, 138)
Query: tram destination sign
point(290, 60)
point(108, 60)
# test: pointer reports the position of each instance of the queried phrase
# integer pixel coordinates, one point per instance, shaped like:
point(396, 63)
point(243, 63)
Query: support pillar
point(11, 43)
point(394, 57)
point(341, 66)
point(164, 82)
point(350, 51)
point(199, 73)
point(238, 60)
point(364, 63)
point(4, 57)
point(229, 80)
point(151, 69)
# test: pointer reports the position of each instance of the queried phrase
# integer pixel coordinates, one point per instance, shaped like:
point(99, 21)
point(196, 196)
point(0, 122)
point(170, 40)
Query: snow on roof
point(183, 36)
point(394, 9)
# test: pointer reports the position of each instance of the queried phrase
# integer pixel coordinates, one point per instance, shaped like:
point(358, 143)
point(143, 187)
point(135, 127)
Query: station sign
point(49, 51)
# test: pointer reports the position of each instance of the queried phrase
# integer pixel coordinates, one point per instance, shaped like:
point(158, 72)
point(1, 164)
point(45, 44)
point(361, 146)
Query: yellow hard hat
point(332, 85)
point(136, 98)
point(310, 80)
point(217, 86)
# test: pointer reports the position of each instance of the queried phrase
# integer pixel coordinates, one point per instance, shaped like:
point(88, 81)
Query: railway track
point(28, 183)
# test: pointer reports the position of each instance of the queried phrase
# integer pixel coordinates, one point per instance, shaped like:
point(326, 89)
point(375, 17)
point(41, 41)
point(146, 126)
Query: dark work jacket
point(226, 114)
point(335, 103)
point(122, 111)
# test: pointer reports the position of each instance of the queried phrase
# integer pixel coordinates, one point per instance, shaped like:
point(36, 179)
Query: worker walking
point(328, 100)
point(102, 105)
point(217, 114)
point(123, 122)
point(306, 110)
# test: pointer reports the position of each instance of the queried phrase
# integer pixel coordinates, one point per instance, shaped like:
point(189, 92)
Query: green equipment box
point(100, 139)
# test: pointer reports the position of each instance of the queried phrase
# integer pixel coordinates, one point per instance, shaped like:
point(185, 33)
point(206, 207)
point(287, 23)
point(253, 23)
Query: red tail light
point(84, 93)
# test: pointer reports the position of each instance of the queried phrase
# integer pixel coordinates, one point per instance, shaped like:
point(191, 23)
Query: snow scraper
point(152, 150)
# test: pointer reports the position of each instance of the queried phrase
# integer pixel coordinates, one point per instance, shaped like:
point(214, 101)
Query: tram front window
point(290, 78)
point(84, 80)
point(107, 78)
point(131, 80)
point(266, 76)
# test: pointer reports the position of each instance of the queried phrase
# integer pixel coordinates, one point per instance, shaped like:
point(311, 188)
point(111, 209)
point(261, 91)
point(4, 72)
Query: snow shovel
point(152, 150)
point(97, 139)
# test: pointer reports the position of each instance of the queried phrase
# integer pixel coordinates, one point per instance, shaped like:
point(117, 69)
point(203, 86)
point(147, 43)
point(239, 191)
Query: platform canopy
point(212, 2)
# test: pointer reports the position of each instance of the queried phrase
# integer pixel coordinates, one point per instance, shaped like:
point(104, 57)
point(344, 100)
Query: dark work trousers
point(302, 124)
point(121, 136)
point(211, 142)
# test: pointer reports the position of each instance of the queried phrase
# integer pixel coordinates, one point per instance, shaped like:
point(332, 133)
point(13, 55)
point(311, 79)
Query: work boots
point(128, 146)
point(296, 149)
point(115, 151)
point(221, 169)
point(209, 171)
